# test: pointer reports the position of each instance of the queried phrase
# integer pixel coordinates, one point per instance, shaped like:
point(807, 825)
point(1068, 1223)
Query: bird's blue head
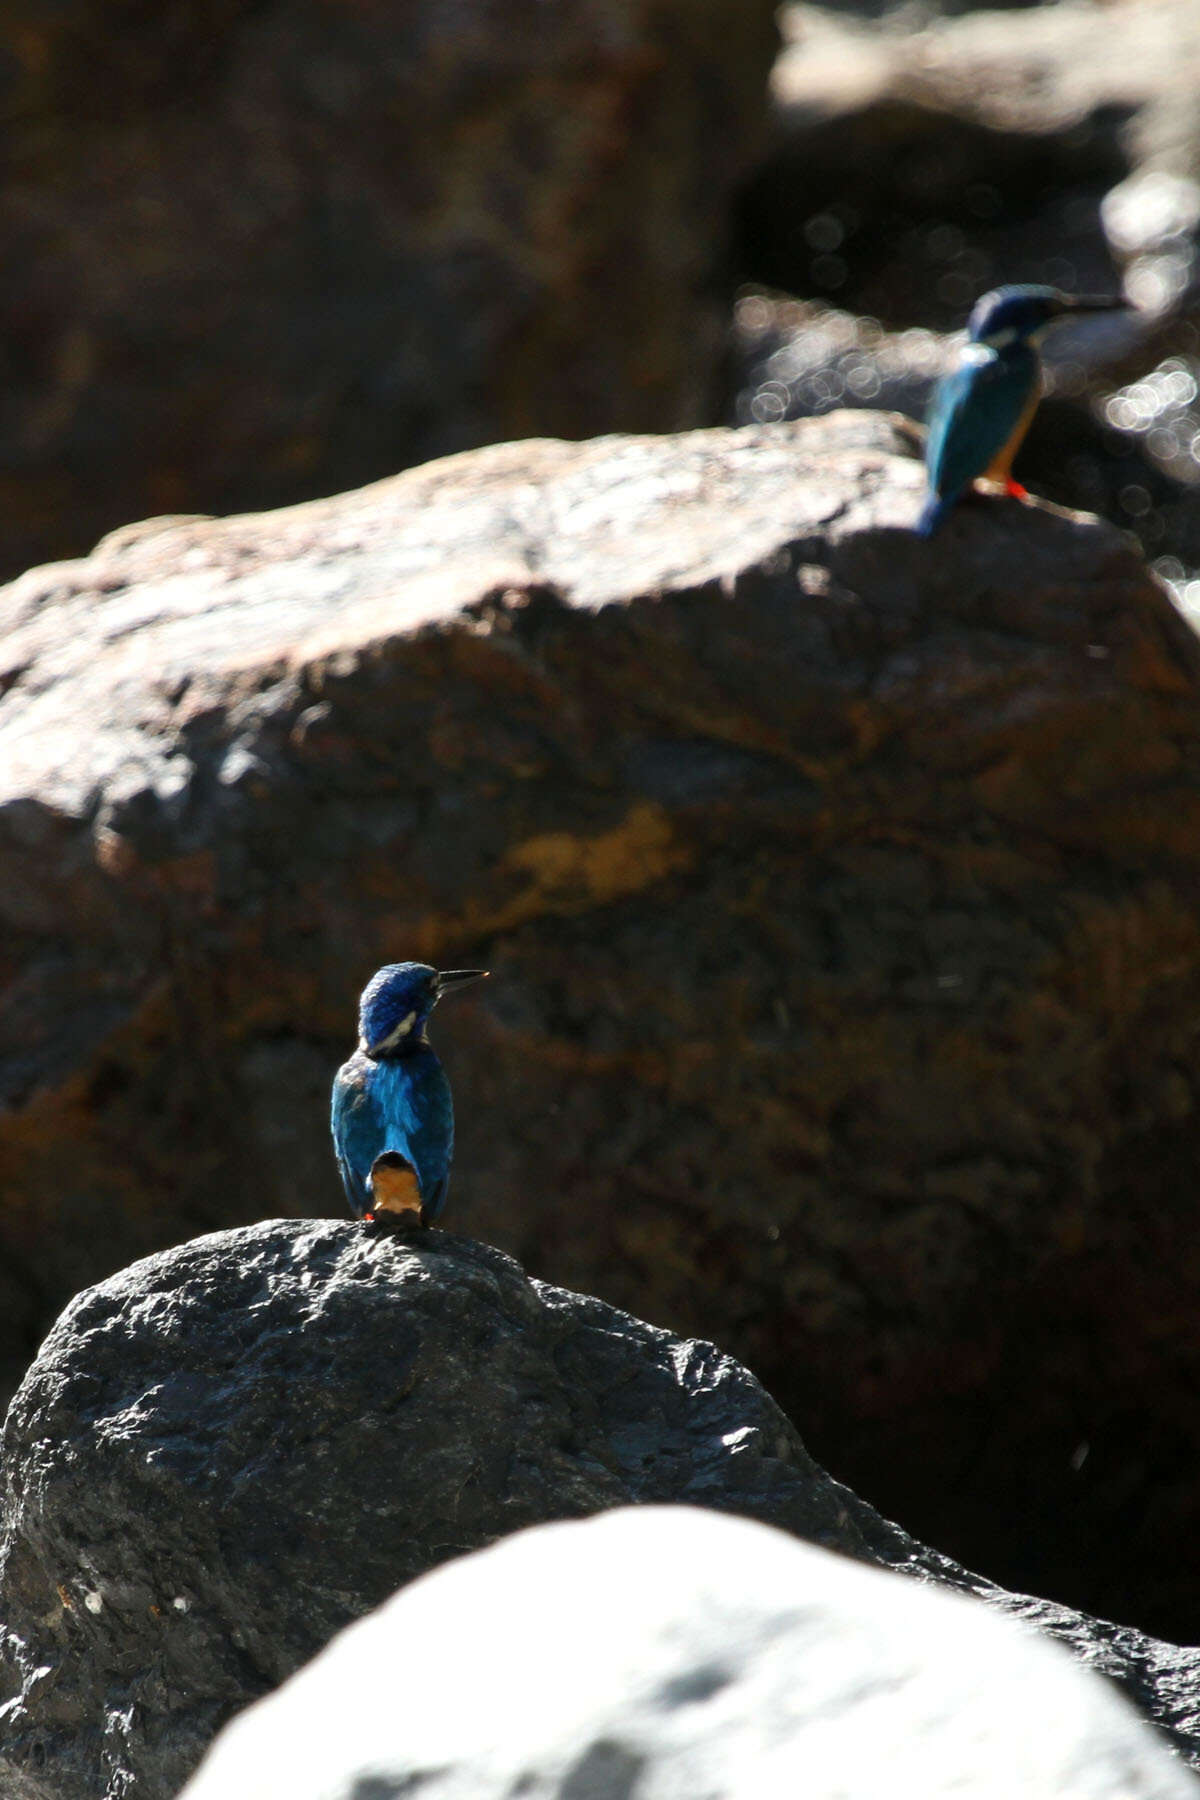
point(398, 1000)
point(1019, 315)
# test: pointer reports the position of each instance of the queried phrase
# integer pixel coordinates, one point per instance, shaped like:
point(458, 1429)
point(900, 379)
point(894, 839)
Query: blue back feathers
point(976, 410)
point(931, 515)
point(392, 1096)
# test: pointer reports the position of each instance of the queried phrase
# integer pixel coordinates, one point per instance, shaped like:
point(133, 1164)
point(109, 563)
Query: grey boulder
point(230, 1450)
point(674, 1655)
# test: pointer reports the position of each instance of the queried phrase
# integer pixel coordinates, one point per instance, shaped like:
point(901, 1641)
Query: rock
point(229, 1451)
point(838, 892)
point(670, 1653)
point(256, 253)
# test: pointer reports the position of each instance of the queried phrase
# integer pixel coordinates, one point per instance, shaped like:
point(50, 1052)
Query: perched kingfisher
point(392, 1115)
point(982, 409)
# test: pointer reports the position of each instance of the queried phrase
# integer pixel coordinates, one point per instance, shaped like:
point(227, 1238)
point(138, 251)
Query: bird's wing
point(400, 1105)
point(357, 1138)
point(975, 410)
point(420, 1121)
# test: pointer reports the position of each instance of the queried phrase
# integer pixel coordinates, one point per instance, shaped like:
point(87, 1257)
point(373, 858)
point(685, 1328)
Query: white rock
point(666, 1653)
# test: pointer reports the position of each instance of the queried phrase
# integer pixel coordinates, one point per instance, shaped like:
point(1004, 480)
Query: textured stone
point(255, 251)
point(838, 890)
point(228, 1451)
point(670, 1654)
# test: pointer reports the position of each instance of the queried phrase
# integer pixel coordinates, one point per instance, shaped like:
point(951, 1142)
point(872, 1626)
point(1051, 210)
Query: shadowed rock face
point(230, 1450)
point(255, 252)
point(838, 891)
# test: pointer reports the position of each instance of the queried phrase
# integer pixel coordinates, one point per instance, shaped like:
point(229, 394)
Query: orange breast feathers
point(1000, 467)
point(394, 1186)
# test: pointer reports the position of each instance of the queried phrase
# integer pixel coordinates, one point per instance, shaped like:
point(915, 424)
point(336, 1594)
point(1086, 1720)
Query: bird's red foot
point(368, 1218)
point(1015, 489)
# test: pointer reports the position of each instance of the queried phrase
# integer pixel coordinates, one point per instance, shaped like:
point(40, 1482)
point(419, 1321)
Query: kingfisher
point(982, 409)
point(392, 1114)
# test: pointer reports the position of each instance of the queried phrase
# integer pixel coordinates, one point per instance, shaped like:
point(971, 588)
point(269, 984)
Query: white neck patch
point(393, 1037)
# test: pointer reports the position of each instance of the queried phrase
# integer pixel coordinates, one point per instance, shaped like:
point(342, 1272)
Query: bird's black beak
point(448, 981)
point(1076, 303)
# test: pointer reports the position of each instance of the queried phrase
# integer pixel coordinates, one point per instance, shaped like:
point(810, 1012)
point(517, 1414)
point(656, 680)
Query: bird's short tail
point(394, 1186)
point(933, 514)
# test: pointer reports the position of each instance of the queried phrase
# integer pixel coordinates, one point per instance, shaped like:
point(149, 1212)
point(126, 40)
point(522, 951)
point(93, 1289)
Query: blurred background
point(257, 251)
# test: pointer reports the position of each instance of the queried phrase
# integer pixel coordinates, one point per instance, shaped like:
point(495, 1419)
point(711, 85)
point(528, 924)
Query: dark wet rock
point(670, 1653)
point(229, 1451)
point(255, 251)
point(838, 891)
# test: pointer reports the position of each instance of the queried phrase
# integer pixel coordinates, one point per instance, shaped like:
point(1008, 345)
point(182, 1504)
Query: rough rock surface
point(838, 889)
point(669, 1654)
point(230, 1450)
point(255, 251)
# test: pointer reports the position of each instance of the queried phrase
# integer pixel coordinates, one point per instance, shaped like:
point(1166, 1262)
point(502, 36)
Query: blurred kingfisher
point(982, 409)
point(392, 1115)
